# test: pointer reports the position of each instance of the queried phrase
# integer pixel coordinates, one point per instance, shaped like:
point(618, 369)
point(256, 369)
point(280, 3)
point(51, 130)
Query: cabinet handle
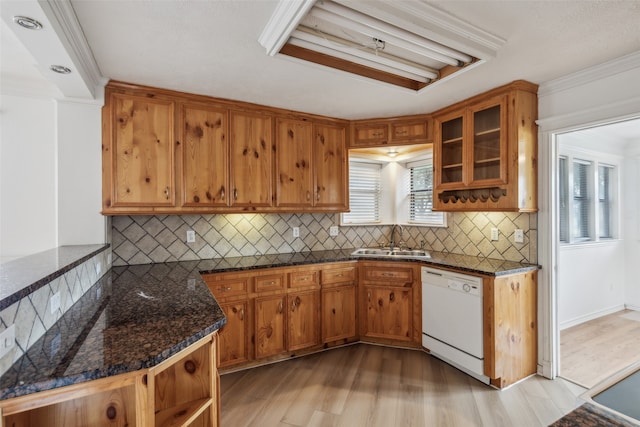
point(166, 193)
point(369, 296)
point(401, 132)
point(308, 195)
point(223, 289)
point(280, 307)
point(378, 133)
point(242, 313)
point(388, 275)
point(272, 282)
point(339, 275)
point(318, 194)
point(235, 193)
point(222, 193)
point(293, 305)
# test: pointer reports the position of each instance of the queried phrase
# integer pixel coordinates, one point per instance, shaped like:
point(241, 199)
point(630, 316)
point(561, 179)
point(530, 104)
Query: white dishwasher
point(452, 319)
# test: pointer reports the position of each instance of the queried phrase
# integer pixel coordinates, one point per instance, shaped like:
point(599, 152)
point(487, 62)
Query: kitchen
point(72, 215)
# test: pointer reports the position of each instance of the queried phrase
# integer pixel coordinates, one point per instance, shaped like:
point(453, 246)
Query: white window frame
point(596, 160)
point(436, 219)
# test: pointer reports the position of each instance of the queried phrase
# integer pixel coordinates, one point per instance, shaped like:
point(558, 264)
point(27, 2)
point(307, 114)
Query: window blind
point(563, 199)
point(581, 200)
point(364, 193)
point(421, 196)
point(604, 201)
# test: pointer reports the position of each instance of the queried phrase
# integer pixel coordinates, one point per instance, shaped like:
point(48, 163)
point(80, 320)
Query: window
point(421, 195)
point(586, 205)
point(364, 193)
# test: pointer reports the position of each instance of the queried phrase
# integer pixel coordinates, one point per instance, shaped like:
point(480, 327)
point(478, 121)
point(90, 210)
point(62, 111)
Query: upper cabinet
point(392, 131)
point(170, 152)
point(139, 152)
point(485, 152)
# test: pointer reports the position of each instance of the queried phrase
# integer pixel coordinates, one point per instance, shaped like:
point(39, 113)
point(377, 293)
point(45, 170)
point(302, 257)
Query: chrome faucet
point(392, 240)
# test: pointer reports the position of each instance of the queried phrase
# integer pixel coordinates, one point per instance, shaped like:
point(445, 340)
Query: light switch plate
point(495, 234)
point(7, 340)
point(296, 231)
point(333, 231)
point(191, 236)
point(518, 236)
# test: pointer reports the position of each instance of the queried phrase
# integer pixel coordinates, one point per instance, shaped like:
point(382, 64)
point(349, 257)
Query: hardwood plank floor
point(368, 385)
point(595, 350)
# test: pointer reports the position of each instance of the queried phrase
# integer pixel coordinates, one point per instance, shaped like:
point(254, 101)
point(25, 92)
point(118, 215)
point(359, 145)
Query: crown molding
point(65, 23)
point(591, 74)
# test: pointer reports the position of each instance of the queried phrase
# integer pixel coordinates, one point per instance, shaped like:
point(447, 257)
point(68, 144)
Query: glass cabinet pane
point(451, 169)
point(486, 144)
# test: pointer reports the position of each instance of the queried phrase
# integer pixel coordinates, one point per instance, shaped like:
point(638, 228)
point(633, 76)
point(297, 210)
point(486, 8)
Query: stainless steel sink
point(392, 253)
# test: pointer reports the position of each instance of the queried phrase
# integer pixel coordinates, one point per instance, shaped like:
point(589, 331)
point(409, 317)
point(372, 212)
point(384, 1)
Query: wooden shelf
point(489, 160)
point(487, 132)
point(452, 140)
point(452, 166)
point(184, 414)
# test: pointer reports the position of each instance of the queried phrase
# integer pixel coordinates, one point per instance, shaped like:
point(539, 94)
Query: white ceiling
point(211, 47)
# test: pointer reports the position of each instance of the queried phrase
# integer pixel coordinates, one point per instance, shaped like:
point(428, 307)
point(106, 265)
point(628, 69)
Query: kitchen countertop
point(589, 415)
point(466, 263)
point(135, 317)
point(132, 318)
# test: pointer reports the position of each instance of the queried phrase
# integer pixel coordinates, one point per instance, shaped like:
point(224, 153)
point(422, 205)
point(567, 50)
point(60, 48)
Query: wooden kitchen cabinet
point(339, 286)
point(251, 160)
point(303, 319)
point(331, 168)
point(389, 309)
point(183, 390)
point(138, 158)
point(205, 154)
point(485, 152)
point(417, 129)
point(294, 175)
point(270, 325)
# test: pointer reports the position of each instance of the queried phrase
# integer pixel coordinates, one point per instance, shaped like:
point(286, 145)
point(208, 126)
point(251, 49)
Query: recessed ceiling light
point(60, 69)
point(28, 23)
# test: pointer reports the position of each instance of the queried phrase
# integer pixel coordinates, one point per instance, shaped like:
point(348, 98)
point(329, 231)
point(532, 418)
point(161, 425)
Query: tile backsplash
point(33, 316)
point(162, 238)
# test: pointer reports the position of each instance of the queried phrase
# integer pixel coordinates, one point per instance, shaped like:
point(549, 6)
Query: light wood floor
point(595, 350)
point(367, 385)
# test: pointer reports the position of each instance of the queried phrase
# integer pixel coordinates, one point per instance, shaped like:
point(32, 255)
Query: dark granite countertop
point(23, 276)
point(132, 318)
point(466, 263)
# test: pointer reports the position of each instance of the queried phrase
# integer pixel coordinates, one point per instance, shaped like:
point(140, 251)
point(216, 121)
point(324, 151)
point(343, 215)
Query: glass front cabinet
point(485, 152)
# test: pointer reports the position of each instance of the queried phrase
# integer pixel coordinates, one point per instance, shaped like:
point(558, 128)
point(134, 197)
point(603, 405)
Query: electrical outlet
point(296, 231)
point(333, 231)
point(518, 236)
point(99, 269)
point(495, 234)
point(7, 340)
point(191, 236)
point(54, 302)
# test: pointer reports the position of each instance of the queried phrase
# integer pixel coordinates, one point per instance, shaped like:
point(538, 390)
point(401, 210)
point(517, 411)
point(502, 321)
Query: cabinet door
point(269, 326)
point(338, 313)
point(294, 181)
point(365, 135)
point(250, 159)
point(233, 337)
point(303, 319)
point(205, 156)
point(389, 313)
point(448, 153)
point(488, 142)
point(330, 162)
point(410, 131)
point(142, 151)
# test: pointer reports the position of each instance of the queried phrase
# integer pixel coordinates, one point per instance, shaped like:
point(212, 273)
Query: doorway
point(597, 238)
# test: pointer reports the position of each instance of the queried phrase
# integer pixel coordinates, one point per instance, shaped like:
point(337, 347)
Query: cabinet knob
point(242, 313)
point(166, 193)
point(280, 307)
point(222, 193)
point(235, 193)
point(369, 296)
point(293, 306)
point(308, 195)
point(318, 194)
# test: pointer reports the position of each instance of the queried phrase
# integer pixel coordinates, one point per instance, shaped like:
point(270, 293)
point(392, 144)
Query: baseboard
point(632, 307)
point(581, 319)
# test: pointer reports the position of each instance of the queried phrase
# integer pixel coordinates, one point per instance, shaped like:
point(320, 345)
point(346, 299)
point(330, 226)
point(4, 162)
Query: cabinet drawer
point(385, 274)
point(338, 275)
point(269, 283)
point(228, 288)
point(371, 134)
point(303, 278)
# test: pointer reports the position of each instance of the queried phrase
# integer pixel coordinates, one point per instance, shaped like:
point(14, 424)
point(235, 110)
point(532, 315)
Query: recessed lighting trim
point(60, 69)
point(28, 23)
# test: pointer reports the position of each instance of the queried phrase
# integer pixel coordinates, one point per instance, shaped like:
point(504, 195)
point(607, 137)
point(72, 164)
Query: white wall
point(596, 95)
point(28, 204)
point(50, 159)
point(631, 218)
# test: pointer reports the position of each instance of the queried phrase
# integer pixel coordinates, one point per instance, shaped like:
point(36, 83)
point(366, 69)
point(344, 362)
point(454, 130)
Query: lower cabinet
point(390, 302)
point(302, 319)
point(181, 391)
point(233, 345)
point(269, 326)
point(338, 313)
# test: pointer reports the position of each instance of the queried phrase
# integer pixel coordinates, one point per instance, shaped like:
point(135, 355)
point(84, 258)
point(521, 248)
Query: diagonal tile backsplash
point(154, 239)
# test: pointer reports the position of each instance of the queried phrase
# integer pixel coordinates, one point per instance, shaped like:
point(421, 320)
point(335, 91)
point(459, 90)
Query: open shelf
point(454, 165)
point(452, 140)
point(488, 132)
point(489, 160)
point(183, 414)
